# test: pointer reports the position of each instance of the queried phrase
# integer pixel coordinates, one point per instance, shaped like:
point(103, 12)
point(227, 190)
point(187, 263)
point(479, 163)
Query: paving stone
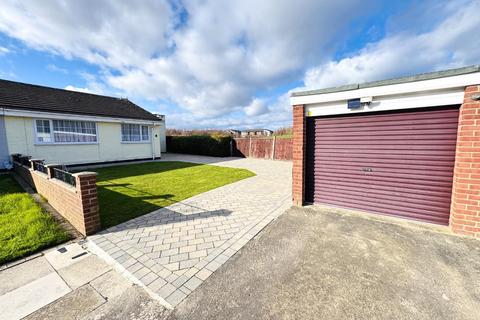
point(207, 245)
point(135, 267)
point(197, 254)
point(188, 248)
point(213, 265)
point(193, 283)
point(176, 297)
point(166, 290)
point(172, 266)
point(203, 274)
point(188, 263)
point(195, 241)
point(141, 272)
point(172, 277)
point(178, 257)
point(169, 252)
point(190, 272)
point(157, 284)
point(180, 281)
point(179, 244)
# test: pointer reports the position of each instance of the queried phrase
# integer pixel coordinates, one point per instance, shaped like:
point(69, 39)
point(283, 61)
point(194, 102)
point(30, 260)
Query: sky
point(229, 64)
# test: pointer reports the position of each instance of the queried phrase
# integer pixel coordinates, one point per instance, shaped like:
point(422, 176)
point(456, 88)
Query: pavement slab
point(75, 305)
point(26, 299)
point(21, 274)
point(78, 274)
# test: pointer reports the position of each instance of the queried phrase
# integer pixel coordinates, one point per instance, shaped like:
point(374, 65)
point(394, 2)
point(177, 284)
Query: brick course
point(78, 205)
point(299, 141)
point(465, 209)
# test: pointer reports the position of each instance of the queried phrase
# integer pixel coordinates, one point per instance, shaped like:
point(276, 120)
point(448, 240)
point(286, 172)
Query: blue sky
point(229, 64)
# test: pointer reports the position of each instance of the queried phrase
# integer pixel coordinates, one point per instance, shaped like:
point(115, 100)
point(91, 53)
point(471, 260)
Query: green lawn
point(129, 191)
point(24, 227)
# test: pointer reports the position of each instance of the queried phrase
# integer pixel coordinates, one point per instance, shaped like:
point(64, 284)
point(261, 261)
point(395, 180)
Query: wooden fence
point(263, 148)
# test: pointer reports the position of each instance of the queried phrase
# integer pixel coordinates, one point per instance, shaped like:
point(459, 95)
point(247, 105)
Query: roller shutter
point(394, 163)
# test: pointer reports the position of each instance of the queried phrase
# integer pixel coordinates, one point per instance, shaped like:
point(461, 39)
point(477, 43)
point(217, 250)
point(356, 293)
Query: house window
point(65, 131)
point(135, 133)
point(43, 131)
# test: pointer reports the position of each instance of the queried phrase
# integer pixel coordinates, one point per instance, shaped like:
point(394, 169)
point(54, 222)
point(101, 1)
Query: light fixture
point(476, 97)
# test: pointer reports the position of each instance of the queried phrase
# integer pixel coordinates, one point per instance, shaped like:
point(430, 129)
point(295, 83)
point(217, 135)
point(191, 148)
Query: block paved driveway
point(171, 251)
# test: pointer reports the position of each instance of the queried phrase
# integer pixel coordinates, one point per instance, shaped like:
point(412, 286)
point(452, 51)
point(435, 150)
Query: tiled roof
point(23, 96)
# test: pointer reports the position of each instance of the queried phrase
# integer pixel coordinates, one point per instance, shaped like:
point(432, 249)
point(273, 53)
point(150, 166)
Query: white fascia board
point(460, 81)
point(65, 116)
point(393, 102)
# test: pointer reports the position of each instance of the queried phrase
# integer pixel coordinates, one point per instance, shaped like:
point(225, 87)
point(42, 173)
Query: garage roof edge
point(418, 77)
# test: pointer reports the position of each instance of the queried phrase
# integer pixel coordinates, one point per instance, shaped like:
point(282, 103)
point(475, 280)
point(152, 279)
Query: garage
point(406, 147)
point(395, 163)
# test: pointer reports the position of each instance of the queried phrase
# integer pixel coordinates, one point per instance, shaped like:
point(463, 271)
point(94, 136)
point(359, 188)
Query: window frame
point(141, 126)
point(52, 133)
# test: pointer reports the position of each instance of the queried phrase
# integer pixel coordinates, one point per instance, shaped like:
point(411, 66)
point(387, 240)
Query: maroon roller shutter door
point(395, 163)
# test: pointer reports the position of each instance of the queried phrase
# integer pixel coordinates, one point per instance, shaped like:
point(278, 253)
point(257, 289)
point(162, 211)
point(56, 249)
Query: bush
point(214, 145)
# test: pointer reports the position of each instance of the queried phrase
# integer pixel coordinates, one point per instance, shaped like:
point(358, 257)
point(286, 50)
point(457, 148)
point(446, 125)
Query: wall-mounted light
point(476, 97)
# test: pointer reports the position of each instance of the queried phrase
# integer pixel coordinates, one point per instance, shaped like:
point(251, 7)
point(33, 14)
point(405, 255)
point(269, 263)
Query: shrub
point(215, 145)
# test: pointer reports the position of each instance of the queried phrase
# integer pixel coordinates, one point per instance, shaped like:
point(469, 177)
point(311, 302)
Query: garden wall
point(77, 203)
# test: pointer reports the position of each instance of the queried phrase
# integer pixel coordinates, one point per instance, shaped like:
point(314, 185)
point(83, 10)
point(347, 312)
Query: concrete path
point(69, 283)
point(325, 263)
point(171, 251)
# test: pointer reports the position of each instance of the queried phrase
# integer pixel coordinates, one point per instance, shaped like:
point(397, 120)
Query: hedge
point(216, 146)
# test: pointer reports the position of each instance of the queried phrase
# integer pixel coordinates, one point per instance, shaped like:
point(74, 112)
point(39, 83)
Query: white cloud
point(4, 50)
point(451, 43)
point(212, 65)
point(256, 107)
point(55, 68)
point(78, 89)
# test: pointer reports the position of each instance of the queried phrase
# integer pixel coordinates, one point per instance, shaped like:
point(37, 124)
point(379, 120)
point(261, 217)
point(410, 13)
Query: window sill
point(136, 142)
point(64, 143)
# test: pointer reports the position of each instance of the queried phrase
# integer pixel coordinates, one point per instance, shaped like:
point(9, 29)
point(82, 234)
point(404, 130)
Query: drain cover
point(62, 250)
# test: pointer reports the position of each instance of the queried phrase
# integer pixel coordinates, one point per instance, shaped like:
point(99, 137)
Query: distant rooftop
point(418, 77)
point(253, 130)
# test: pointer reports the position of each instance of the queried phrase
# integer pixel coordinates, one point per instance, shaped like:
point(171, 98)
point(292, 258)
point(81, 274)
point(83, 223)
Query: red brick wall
point(465, 210)
point(78, 205)
point(298, 142)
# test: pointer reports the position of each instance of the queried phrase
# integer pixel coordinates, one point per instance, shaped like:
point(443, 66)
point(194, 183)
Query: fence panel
point(263, 148)
point(283, 149)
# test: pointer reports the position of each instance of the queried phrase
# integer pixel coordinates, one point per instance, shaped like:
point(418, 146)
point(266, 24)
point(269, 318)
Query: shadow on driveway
point(324, 264)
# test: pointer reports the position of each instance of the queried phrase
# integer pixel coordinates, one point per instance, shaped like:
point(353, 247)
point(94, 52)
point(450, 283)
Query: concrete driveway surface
point(322, 263)
point(171, 251)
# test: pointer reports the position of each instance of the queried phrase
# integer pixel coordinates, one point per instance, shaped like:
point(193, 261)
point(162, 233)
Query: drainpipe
point(152, 138)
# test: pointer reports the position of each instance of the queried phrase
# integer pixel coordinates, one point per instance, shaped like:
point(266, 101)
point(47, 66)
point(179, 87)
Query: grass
point(24, 227)
point(129, 191)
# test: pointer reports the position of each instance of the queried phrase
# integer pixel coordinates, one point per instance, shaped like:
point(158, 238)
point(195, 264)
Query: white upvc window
point(135, 133)
point(65, 131)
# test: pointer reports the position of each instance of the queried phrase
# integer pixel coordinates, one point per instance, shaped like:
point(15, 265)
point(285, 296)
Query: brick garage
point(407, 147)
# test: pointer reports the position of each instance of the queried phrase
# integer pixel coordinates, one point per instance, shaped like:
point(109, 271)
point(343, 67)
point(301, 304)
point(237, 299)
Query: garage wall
point(21, 139)
point(465, 211)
